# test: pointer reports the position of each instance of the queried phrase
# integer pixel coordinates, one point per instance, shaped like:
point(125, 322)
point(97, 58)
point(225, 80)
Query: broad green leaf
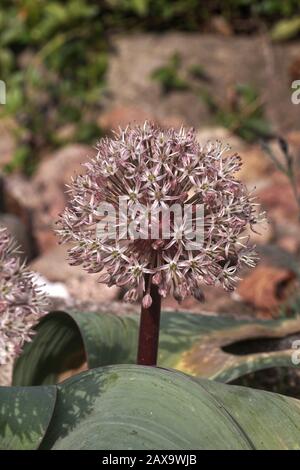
point(188, 342)
point(134, 407)
point(56, 342)
point(25, 413)
point(271, 421)
point(64, 341)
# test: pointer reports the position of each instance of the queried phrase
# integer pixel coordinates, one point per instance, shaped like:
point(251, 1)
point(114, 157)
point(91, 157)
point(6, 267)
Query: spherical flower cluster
point(21, 302)
point(157, 168)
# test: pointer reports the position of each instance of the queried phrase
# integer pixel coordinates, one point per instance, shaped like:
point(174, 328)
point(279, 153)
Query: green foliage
point(245, 114)
point(53, 59)
point(198, 72)
point(169, 77)
point(190, 14)
point(121, 406)
point(65, 341)
point(25, 413)
point(135, 407)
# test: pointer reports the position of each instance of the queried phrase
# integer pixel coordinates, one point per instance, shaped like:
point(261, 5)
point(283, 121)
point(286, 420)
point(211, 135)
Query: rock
point(66, 133)
point(206, 134)
point(18, 231)
point(23, 199)
point(293, 139)
point(7, 142)
point(49, 184)
point(53, 290)
point(294, 69)
point(172, 120)
point(264, 287)
point(278, 200)
point(20, 200)
point(218, 24)
point(60, 166)
point(53, 265)
point(217, 301)
point(228, 60)
point(6, 372)
point(264, 233)
point(121, 116)
point(256, 165)
point(20, 196)
point(289, 243)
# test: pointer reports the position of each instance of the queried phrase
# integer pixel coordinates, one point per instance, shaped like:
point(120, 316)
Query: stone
point(293, 139)
point(264, 233)
point(294, 69)
point(6, 372)
point(227, 60)
point(256, 165)
point(206, 134)
point(218, 24)
point(66, 133)
point(278, 200)
point(49, 184)
point(60, 166)
point(7, 142)
point(19, 195)
point(264, 286)
point(53, 265)
point(19, 233)
point(121, 116)
point(289, 243)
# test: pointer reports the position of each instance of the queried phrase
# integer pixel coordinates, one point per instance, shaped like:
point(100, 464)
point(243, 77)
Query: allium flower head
point(21, 302)
point(156, 169)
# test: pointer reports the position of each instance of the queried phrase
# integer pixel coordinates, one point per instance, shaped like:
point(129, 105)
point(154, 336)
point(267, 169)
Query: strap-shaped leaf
point(65, 341)
point(25, 413)
point(134, 407)
point(271, 421)
point(188, 342)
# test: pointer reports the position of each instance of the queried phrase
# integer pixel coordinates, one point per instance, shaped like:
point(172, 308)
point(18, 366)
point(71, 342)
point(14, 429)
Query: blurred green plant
point(190, 14)
point(53, 59)
point(169, 76)
point(242, 113)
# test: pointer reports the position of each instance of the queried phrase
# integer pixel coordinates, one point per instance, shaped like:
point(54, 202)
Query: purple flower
point(154, 169)
point(21, 302)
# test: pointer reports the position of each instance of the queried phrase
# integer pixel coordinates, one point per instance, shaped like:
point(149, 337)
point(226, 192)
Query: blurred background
point(75, 69)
